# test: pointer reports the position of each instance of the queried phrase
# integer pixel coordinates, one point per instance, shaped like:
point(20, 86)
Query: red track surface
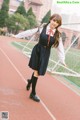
point(60, 102)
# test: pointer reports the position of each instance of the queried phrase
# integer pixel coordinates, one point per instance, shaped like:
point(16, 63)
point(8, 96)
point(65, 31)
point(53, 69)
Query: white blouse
point(60, 48)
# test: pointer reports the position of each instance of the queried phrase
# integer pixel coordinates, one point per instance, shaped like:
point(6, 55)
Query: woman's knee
point(36, 73)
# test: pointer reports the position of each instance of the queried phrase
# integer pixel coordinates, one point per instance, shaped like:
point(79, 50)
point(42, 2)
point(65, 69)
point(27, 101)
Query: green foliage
point(4, 13)
point(6, 1)
point(5, 7)
point(21, 9)
point(32, 21)
point(32, 18)
point(17, 22)
point(30, 12)
point(46, 17)
point(3, 17)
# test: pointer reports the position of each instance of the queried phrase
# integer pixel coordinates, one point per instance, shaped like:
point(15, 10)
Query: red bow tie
point(50, 32)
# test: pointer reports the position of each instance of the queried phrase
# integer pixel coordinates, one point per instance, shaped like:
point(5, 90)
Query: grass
point(72, 60)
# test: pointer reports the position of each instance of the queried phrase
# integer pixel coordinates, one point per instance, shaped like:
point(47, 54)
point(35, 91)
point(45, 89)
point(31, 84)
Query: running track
point(58, 102)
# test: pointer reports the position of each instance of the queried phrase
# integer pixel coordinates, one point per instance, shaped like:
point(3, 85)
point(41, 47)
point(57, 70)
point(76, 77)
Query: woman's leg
point(34, 82)
point(29, 82)
point(35, 73)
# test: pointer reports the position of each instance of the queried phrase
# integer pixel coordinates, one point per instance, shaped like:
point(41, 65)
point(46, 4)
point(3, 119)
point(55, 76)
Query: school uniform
point(41, 51)
point(40, 56)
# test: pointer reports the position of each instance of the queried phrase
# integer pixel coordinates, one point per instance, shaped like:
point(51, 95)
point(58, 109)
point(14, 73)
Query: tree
point(46, 18)
point(17, 22)
point(21, 9)
point(30, 12)
point(32, 18)
point(5, 5)
point(4, 13)
point(32, 21)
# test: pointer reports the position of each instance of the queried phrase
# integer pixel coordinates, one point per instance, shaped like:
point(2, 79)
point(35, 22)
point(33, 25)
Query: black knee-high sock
point(30, 81)
point(34, 82)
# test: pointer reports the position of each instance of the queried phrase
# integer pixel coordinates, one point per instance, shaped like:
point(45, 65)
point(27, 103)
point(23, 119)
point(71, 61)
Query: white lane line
point(52, 116)
point(45, 107)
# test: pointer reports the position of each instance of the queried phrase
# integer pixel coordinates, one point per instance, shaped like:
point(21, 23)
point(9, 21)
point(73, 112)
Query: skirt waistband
point(45, 46)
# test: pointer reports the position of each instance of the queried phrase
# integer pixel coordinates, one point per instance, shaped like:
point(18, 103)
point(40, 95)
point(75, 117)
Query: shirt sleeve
point(60, 50)
point(26, 33)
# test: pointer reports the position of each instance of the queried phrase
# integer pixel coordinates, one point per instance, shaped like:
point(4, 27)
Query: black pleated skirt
point(39, 58)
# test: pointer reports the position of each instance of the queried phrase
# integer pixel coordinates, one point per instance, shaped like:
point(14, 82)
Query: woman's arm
point(61, 53)
point(26, 33)
point(29, 32)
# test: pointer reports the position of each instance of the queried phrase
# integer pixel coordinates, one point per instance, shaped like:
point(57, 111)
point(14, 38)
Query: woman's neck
point(51, 27)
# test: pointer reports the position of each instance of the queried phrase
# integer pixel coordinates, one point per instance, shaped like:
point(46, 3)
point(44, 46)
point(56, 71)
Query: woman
point(49, 37)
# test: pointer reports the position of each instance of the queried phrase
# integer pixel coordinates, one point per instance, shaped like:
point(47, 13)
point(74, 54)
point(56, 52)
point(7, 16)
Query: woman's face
point(53, 24)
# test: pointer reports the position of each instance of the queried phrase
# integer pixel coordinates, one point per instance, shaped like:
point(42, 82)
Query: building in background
point(40, 7)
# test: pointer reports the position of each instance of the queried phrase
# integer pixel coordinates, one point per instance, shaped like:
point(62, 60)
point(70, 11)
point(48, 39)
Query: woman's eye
point(54, 20)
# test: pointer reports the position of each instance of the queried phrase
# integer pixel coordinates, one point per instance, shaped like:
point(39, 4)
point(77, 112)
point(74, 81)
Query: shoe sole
point(34, 99)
